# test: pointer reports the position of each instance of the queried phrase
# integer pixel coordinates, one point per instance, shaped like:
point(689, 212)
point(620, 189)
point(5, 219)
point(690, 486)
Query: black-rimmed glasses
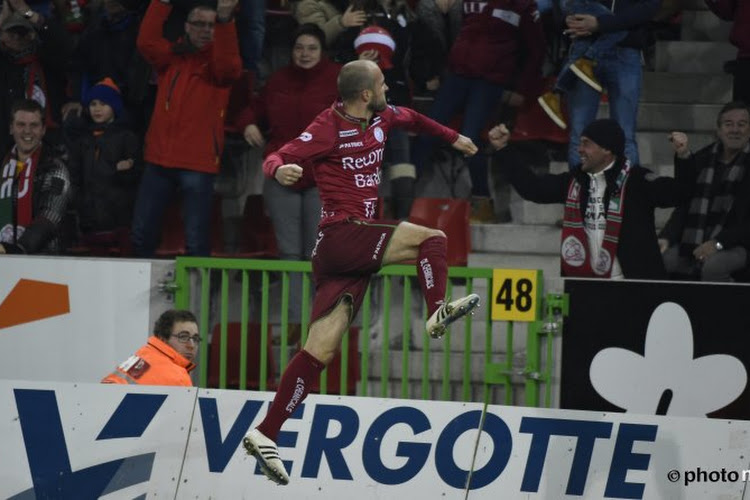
point(183, 337)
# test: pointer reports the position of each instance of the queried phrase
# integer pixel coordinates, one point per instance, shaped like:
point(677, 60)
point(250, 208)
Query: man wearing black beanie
point(608, 224)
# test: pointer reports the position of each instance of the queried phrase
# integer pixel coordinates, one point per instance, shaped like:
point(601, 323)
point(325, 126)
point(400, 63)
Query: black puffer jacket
point(104, 196)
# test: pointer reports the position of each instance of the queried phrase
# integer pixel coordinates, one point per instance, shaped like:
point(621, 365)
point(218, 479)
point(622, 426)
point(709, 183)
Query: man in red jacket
point(185, 138)
point(344, 147)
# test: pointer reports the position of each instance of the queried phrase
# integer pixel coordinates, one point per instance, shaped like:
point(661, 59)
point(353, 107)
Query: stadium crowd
point(117, 108)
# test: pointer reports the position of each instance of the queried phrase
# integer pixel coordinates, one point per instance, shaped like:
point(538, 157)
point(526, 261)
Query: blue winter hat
point(108, 92)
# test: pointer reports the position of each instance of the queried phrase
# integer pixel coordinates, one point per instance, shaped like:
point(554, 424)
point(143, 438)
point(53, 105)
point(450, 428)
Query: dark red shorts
point(345, 256)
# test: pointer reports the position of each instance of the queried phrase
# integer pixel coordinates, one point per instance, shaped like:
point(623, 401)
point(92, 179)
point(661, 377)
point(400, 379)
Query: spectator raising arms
point(608, 223)
point(185, 138)
point(707, 238)
point(34, 53)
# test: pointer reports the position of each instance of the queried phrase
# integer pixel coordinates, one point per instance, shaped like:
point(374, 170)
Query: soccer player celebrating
point(344, 146)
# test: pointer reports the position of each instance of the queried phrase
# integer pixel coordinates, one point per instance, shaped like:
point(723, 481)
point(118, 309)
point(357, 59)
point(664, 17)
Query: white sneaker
point(447, 313)
point(267, 454)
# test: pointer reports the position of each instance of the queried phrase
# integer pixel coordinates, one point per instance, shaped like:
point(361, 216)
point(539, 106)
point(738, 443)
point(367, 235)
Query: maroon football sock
point(432, 270)
point(302, 371)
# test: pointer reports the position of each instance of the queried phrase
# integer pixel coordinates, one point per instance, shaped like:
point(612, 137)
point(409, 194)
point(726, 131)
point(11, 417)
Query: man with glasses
point(185, 137)
point(167, 358)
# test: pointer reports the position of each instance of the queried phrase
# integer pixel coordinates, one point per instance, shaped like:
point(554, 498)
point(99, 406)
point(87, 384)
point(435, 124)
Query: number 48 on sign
point(515, 294)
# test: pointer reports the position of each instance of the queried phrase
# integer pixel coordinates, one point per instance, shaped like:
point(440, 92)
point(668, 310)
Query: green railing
point(210, 277)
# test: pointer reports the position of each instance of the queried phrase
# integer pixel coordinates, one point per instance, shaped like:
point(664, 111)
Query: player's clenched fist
point(288, 174)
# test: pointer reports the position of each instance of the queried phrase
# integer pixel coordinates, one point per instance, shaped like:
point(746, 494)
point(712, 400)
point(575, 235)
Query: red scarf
point(16, 179)
point(574, 249)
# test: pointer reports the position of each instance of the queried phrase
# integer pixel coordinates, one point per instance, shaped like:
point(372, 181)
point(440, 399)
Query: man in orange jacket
point(167, 358)
point(185, 137)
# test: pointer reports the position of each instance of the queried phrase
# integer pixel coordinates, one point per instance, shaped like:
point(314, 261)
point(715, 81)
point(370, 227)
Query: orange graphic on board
point(32, 300)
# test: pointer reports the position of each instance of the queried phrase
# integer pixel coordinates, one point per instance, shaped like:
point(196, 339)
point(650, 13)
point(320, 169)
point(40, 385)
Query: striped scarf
point(575, 260)
point(715, 190)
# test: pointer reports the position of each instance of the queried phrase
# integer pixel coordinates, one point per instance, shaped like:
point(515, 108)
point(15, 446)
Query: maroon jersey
point(345, 154)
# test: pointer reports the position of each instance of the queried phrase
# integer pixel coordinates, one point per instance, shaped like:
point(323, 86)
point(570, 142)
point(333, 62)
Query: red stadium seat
point(257, 238)
point(172, 241)
point(233, 357)
point(451, 216)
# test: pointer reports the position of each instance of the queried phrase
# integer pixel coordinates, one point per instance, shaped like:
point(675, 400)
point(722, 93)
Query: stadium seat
point(233, 357)
point(333, 380)
point(172, 241)
point(257, 238)
point(450, 215)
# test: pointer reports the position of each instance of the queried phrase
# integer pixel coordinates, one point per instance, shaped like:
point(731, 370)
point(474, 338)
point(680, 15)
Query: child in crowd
point(105, 167)
point(582, 59)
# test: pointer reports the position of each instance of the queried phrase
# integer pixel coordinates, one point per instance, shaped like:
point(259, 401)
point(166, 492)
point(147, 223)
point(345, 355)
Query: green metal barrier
point(209, 276)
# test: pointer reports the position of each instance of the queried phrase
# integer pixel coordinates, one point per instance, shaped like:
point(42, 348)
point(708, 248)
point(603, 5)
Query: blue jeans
point(251, 30)
point(479, 99)
point(593, 48)
point(154, 193)
point(620, 73)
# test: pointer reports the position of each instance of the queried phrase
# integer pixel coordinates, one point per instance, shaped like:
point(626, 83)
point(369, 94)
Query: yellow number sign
point(515, 294)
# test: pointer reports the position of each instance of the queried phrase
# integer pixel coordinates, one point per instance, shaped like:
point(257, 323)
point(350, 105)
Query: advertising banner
point(80, 441)
point(657, 348)
point(70, 320)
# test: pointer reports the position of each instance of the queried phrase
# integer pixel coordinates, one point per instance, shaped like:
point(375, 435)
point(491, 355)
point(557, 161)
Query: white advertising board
point(70, 320)
point(65, 440)
point(71, 441)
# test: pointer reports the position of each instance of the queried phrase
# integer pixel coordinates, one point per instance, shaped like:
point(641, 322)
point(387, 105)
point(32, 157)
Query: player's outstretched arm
point(465, 145)
point(288, 174)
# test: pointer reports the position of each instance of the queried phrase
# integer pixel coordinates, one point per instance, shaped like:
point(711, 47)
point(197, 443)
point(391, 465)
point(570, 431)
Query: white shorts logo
point(305, 137)
point(573, 252)
point(379, 135)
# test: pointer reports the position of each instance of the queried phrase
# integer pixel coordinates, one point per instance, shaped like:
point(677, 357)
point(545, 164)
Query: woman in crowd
point(291, 99)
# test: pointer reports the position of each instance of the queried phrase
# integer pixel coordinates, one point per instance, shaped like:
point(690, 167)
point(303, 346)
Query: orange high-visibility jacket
point(156, 363)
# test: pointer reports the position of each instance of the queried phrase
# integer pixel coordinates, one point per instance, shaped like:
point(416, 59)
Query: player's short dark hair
point(731, 106)
point(353, 78)
point(163, 325)
point(310, 29)
point(29, 105)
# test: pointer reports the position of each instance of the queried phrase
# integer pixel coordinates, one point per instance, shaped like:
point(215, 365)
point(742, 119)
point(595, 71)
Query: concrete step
point(703, 26)
point(548, 263)
point(689, 88)
point(515, 238)
point(693, 57)
point(670, 116)
point(655, 149)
